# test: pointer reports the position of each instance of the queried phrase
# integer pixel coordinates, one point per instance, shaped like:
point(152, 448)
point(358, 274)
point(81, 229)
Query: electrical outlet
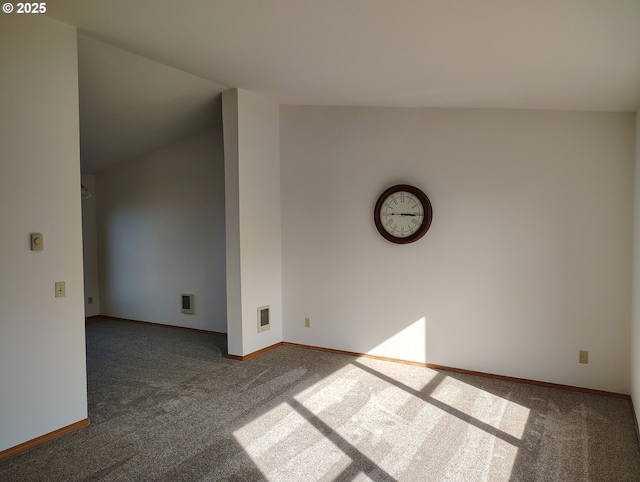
point(583, 356)
point(307, 322)
point(90, 300)
point(60, 289)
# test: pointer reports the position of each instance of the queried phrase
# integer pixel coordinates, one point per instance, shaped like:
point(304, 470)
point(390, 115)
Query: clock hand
point(404, 214)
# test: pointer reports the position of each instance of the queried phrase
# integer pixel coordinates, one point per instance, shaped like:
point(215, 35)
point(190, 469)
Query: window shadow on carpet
point(165, 404)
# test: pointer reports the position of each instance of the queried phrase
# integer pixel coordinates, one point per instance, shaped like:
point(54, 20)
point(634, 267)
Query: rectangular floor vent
point(263, 318)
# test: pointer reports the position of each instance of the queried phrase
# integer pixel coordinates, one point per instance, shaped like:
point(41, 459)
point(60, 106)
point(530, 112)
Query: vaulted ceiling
point(543, 54)
point(130, 105)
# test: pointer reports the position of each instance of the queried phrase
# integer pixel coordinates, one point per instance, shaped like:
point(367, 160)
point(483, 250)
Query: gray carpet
point(165, 404)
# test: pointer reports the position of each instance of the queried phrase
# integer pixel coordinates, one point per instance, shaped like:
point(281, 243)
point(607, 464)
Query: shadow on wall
point(159, 235)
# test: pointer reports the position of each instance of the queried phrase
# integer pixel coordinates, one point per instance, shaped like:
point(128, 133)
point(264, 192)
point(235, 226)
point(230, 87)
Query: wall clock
point(403, 214)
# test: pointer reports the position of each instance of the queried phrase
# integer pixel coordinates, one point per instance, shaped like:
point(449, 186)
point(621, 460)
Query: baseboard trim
point(29, 444)
point(255, 353)
point(527, 381)
point(468, 372)
point(356, 354)
point(635, 419)
point(398, 360)
point(219, 333)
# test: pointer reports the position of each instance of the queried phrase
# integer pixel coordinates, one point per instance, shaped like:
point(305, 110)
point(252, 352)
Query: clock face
point(403, 214)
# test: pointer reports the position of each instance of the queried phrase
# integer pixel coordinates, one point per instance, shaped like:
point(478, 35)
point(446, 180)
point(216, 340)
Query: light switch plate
point(37, 242)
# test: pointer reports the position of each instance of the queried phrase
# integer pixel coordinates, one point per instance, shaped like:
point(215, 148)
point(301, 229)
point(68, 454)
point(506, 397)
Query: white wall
point(635, 324)
point(90, 248)
point(232, 222)
point(528, 259)
point(161, 233)
point(252, 170)
point(42, 344)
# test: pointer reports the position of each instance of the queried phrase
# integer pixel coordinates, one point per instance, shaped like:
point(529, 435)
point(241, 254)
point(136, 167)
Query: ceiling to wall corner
point(544, 54)
point(130, 105)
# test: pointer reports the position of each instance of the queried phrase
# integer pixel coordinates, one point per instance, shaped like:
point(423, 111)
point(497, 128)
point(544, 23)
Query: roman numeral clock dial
point(403, 214)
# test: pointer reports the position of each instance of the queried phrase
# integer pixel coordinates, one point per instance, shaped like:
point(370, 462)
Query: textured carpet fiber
point(165, 404)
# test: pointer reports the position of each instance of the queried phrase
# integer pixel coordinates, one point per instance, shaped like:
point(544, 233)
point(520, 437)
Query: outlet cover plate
point(60, 289)
point(583, 356)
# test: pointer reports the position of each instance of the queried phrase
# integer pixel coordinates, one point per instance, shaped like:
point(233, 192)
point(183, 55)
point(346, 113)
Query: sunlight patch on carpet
point(486, 407)
point(261, 434)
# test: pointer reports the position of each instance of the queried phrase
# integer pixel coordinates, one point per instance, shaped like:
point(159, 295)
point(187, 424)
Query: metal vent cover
point(264, 322)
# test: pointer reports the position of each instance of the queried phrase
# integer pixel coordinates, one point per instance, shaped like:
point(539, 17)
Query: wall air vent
point(263, 319)
point(187, 303)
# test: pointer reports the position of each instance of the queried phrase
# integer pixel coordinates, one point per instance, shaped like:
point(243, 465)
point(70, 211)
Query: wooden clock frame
point(426, 223)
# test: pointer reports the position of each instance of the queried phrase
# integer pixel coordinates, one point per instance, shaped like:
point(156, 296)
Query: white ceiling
point(542, 54)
